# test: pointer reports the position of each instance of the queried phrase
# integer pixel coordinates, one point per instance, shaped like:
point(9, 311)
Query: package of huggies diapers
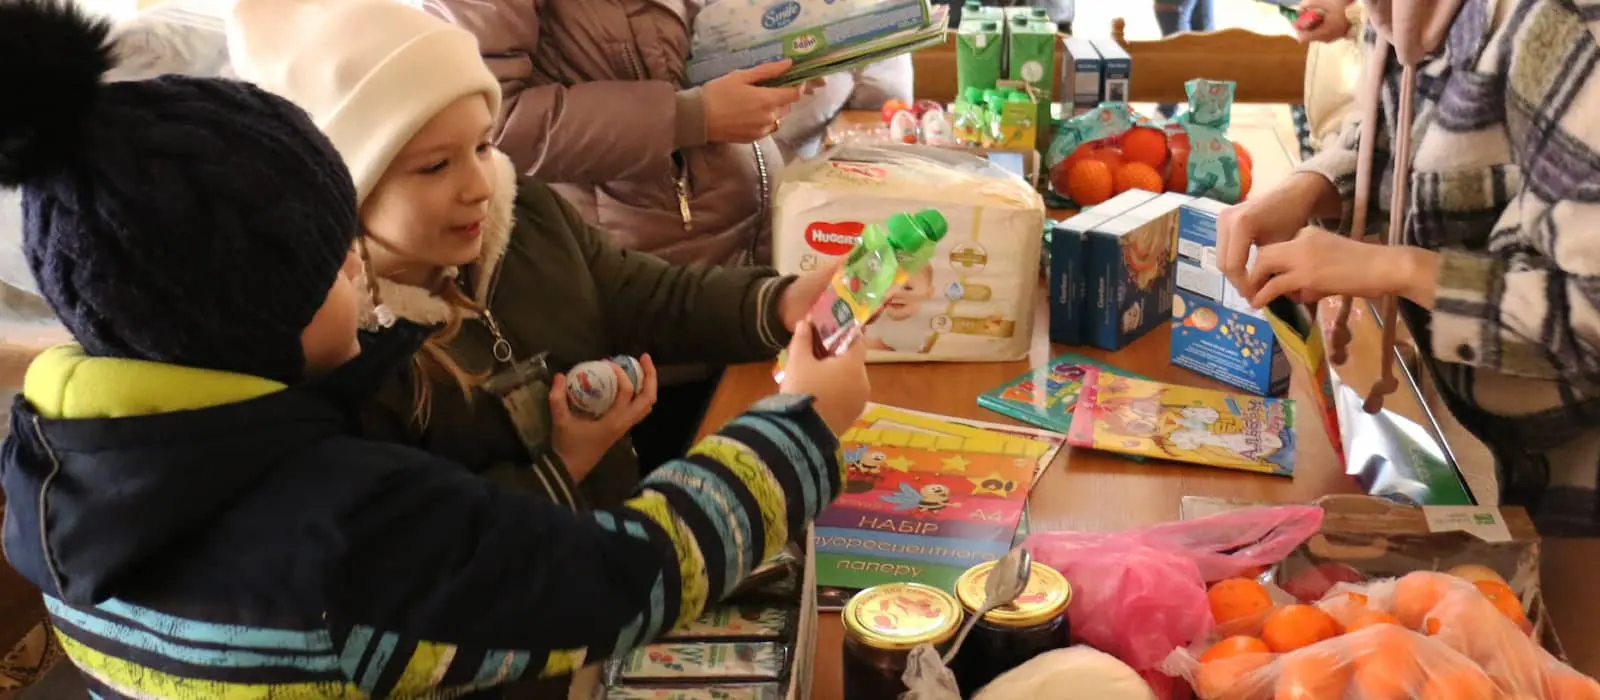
point(976, 300)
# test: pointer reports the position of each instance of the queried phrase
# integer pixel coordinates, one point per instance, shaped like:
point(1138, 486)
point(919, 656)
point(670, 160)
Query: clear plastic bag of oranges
point(1110, 149)
point(1424, 636)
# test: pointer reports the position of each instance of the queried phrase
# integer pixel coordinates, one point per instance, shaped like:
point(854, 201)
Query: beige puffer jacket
point(596, 103)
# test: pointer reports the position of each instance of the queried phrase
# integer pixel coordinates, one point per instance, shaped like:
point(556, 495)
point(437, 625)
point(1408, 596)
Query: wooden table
point(1087, 490)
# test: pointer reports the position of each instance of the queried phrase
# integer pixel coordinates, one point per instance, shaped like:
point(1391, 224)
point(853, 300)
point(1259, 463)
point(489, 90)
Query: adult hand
point(1335, 24)
point(803, 292)
point(837, 384)
point(582, 442)
point(1273, 216)
point(739, 110)
point(1318, 263)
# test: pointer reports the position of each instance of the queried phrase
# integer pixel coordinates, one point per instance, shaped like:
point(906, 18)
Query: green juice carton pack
point(980, 53)
point(1031, 59)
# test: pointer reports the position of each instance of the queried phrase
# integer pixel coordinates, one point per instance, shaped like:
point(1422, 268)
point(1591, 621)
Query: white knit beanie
point(370, 72)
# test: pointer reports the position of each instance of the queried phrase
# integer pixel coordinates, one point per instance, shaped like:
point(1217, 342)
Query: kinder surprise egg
point(592, 388)
point(632, 368)
point(936, 129)
point(903, 127)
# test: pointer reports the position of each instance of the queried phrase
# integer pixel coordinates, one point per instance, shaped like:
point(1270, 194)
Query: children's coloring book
point(1185, 424)
point(924, 499)
point(1045, 396)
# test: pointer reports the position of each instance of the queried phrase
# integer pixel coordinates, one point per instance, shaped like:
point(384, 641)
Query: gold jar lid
point(1046, 596)
point(899, 616)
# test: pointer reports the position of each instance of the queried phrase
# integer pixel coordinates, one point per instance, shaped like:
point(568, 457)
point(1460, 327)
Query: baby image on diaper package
point(975, 301)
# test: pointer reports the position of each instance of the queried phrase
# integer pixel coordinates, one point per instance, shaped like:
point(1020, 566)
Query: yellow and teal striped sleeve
point(451, 582)
point(730, 504)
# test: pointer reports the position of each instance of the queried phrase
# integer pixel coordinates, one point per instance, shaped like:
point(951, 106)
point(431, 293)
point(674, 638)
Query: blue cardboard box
point(1116, 70)
point(1215, 333)
point(1078, 82)
point(1129, 262)
point(1069, 281)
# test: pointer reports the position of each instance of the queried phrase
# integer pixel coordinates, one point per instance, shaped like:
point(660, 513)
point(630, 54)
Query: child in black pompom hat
point(182, 220)
point(185, 486)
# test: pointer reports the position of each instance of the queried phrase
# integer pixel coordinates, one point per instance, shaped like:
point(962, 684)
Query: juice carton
point(883, 260)
point(1069, 279)
point(1116, 72)
point(976, 10)
point(980, 53)
point(1031, 59)
point(1214, 331)
point(1080, 76)
point(1129, 261)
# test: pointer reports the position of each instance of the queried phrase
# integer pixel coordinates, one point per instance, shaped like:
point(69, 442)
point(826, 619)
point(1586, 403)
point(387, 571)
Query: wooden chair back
point(1265, 69)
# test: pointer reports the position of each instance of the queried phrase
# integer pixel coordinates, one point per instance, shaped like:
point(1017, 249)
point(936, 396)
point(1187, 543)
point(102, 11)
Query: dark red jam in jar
point(1010, 635)
point(881, 625)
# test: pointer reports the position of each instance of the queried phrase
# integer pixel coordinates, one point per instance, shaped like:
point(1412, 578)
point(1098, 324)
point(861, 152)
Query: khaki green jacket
point(554, 285)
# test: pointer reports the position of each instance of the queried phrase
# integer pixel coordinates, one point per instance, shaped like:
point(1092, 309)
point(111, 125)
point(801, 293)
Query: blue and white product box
point(732, 35)
point(1129, 262)
point(1215, 333)
point(1069, 279)
point(1116, 70)
point(1080, 76)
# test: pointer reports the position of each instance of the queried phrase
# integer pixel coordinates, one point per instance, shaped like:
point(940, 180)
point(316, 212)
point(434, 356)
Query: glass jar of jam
point(881, 625)
point(1036, 622)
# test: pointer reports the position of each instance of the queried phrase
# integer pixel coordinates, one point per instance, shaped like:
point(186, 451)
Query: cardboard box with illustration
point(975, 302)
point(732, 35)
point(1214, 331)
point(1069, 278)
point(1129, 268)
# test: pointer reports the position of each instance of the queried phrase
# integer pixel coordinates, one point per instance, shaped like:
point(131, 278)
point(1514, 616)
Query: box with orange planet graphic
point(1215, 333)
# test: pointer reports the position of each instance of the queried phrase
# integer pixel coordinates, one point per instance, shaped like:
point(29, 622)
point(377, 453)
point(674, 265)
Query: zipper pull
point(683, 204)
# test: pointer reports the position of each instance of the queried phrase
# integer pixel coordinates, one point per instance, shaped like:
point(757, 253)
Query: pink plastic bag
point(1139, 594)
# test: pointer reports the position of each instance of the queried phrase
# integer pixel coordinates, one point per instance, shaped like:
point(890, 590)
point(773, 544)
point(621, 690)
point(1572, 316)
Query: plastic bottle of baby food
point(885, 257)
point(995, 106)
point(968, 117)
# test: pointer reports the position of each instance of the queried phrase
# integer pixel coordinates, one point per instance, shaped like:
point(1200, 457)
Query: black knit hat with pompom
point(197, 222)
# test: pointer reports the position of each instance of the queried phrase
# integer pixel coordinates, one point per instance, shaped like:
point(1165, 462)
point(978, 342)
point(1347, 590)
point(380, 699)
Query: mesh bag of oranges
point(1109, 150)
point(1423, 636)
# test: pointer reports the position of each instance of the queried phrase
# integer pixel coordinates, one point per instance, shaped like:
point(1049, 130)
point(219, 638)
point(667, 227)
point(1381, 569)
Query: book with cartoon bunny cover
point(1184, 424)
point(925, 498)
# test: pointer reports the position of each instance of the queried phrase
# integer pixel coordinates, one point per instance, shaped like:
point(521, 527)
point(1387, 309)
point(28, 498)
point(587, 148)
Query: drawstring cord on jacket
point(1412, 28)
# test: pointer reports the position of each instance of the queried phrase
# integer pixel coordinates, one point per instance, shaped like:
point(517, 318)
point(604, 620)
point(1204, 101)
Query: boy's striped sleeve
point(476, 586)
point(731, 504)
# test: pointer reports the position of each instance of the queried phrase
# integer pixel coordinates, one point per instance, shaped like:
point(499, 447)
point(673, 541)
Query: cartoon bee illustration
point(863, 469)
point(932, 498)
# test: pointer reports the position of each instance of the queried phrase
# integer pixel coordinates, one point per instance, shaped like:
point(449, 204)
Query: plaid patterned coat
point(1506, 186)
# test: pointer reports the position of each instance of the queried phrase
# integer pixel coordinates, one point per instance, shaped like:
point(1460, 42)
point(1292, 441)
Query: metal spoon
point(1007, 580)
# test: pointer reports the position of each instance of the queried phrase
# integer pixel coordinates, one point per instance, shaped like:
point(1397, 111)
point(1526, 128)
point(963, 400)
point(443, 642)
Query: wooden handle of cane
point(1398, 205)
point(1372, 83)
point(1387, 381)
point(1339, 342)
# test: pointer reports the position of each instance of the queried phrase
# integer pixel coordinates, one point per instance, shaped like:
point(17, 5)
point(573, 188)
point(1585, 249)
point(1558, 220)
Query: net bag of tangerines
point(1424, 636)
point(1110, 150)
